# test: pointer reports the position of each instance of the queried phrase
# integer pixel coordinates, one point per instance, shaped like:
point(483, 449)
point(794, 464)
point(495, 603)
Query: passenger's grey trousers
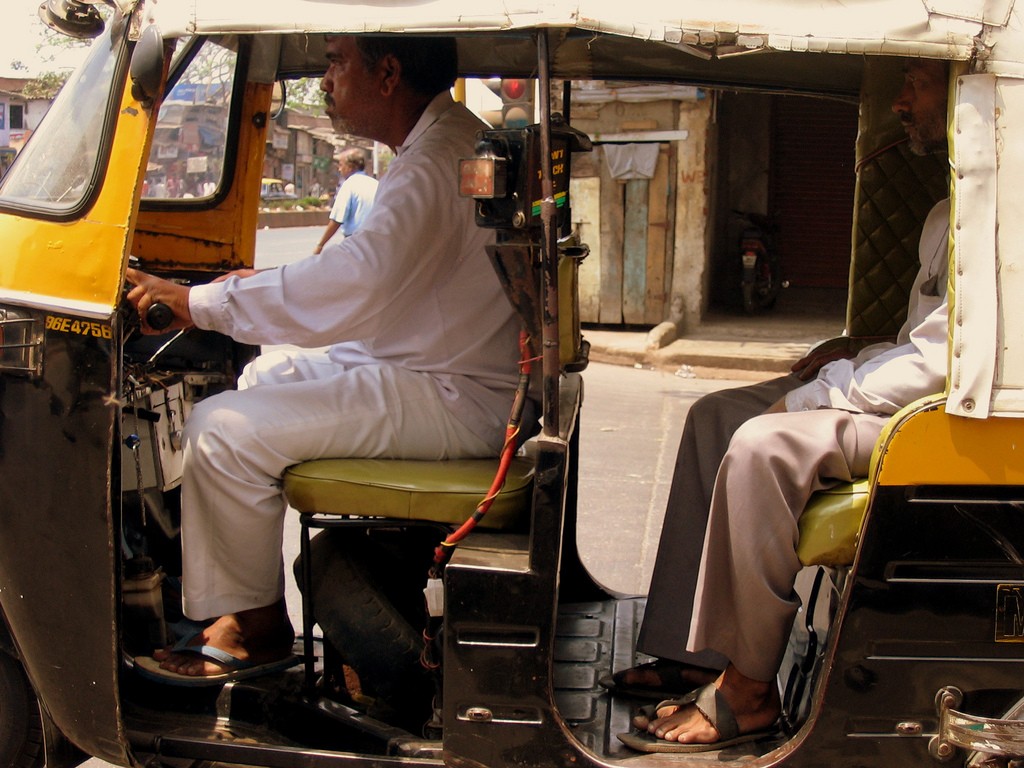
point(722, 588)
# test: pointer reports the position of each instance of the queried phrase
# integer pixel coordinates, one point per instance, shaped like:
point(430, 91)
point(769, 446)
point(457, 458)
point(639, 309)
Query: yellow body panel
point(81, 261)
point(932, 447)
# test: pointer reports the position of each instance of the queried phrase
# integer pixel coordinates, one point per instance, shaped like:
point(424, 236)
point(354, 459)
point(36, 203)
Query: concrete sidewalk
point(724, 345)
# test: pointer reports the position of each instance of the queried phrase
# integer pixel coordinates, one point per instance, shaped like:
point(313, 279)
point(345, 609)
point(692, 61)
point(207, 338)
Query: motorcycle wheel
point(749, 305)
point(761, 289)
point(21, 733)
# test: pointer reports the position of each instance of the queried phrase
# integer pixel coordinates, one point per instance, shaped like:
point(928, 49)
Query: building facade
point(660, 199)
point(19, 116)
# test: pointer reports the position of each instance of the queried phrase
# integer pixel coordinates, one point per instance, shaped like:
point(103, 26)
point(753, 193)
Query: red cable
point(443, 551)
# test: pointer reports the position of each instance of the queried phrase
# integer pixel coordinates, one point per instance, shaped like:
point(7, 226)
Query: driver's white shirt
point(396, 292)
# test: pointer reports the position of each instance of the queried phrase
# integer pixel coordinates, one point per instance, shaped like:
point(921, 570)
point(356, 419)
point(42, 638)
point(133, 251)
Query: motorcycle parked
point(761, 278)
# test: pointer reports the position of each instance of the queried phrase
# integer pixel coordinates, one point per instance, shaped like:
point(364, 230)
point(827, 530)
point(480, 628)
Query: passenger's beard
point(921, 147)
point(930, 137)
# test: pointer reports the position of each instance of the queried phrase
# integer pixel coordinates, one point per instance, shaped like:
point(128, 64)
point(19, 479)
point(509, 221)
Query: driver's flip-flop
point(235, 668)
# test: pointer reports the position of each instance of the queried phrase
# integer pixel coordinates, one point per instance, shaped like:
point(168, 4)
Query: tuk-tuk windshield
point(189, 144)
point(59, 167)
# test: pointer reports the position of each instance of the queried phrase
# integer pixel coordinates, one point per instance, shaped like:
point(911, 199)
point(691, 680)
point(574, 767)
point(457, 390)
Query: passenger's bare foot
point(257, 636)
point(754, 704)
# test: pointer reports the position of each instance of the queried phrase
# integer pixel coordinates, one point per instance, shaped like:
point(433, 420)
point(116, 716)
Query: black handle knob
point(159, 316)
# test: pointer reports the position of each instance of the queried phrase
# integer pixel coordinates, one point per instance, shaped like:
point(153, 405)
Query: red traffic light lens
point(513, 89)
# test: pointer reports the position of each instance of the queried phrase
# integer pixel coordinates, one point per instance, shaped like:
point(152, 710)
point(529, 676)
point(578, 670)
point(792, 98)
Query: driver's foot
point(254, 637)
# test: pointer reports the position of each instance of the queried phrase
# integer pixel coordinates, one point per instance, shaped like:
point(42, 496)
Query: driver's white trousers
point(292, 406)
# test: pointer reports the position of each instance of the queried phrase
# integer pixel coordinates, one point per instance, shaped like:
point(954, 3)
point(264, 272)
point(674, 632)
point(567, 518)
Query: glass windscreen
point(60, 165)
point(187, 157)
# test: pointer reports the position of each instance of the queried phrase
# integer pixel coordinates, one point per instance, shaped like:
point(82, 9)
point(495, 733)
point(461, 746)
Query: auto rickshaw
point(909, 648)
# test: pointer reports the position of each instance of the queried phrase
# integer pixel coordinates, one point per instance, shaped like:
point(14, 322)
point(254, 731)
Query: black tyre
point(749, 304)
point(368, 599)
point(761, 289)
point(21, 734)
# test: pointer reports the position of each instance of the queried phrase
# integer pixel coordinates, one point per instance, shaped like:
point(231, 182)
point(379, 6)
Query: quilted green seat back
point(895, 190)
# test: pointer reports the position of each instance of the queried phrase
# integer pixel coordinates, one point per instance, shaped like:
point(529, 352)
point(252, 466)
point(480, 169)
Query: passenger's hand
point(779, 406)
point(807, 367)
point(149, 290)
point(840, 348)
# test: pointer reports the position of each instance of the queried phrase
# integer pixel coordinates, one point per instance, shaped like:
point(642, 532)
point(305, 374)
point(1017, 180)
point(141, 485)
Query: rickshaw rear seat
point(831, 522)
point(396, 493)
point(830, 525)
point(895, 191)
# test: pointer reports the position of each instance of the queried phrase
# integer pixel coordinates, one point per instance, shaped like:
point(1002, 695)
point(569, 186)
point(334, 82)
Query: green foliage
point(50, 46)
point(46, 86)
point(304, 94)
point(303, 204)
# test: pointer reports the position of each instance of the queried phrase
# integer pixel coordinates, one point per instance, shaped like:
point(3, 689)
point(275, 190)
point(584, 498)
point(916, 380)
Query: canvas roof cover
point(945, 28)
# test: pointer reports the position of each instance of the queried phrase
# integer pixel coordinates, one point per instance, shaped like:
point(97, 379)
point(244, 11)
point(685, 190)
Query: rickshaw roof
point(941, 28)
point(736, 43)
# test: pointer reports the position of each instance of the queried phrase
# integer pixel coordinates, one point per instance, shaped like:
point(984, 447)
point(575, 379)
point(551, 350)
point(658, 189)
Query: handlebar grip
point(159, 316)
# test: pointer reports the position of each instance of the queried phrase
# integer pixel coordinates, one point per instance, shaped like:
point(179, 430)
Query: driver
point(421, 361)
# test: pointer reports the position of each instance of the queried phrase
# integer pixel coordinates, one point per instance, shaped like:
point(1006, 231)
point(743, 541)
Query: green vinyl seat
point(830, 525)
point(398, 493)
point(403, 489)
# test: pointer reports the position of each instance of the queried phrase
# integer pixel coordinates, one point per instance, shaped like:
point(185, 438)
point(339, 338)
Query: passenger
point(722, 593)
point(422, 363)
point(354, 200)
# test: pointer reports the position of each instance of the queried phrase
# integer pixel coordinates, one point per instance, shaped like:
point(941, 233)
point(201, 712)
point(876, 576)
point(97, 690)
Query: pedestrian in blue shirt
point(354, 199)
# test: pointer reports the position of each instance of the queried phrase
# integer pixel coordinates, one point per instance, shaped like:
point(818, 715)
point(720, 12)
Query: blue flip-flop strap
point(182, 644)
point(210, 652)
point(219, 655)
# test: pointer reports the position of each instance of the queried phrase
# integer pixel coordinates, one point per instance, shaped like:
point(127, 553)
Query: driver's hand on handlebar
point(149, 290)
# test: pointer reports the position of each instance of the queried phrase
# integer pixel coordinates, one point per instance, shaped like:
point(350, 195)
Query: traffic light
point(516, 102)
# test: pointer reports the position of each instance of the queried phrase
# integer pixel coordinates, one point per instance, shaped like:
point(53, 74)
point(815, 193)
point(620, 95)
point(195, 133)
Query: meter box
point(505, 175)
